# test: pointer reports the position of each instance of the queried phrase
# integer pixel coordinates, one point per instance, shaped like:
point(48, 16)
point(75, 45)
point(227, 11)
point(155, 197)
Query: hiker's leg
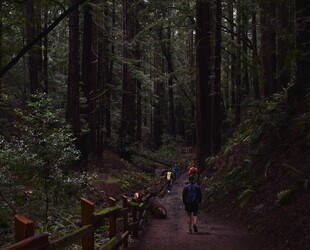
point(194, 219)
point(189, 220)
point(195, 215)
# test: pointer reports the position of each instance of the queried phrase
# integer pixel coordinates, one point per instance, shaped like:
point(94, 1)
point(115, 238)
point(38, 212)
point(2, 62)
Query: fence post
point(125, 215)
point(112, 218)
point(87, 210)
point(24, 228)
point(134, 222)
point(125, 219)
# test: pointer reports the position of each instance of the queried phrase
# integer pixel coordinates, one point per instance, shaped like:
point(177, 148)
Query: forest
point(97, 97)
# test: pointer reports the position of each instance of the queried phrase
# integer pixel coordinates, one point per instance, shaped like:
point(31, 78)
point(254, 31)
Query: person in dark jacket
point(191, 197)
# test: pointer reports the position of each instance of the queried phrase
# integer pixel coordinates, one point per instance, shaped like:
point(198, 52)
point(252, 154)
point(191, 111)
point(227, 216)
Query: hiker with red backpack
point(192, 170)
point(192, 197)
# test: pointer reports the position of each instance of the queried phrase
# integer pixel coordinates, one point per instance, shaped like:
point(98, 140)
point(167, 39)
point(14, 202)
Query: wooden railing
point(131, 213)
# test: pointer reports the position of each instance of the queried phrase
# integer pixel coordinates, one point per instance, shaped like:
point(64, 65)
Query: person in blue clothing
point(176, 171)
point(192, 197)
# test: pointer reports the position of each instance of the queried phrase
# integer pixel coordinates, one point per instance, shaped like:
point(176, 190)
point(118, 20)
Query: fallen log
point(157, 209)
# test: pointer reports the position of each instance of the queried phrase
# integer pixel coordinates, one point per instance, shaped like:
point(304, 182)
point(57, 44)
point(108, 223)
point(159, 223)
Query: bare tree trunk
point(170, 84)
point(233, 53)
point(103, 69)
point(1, 44)
point(245, 66)
point(193, 87)
point(203, 86)
point(127, 129)
point(238, 66)
point(158, 110)
point(93, 112)
point(255, 59)
point(109, 69)
point(139, 96)
point(303, 47)
point(45, 53)
point(32, 54)
point(283, 67)
point(268, 45)
point(86, 72)
point(217, 112)
point(73, 111)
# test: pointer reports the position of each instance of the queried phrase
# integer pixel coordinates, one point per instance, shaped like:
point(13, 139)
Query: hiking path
point(213, 232)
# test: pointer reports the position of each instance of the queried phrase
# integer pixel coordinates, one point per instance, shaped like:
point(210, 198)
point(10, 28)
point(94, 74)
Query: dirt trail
point(214, 233)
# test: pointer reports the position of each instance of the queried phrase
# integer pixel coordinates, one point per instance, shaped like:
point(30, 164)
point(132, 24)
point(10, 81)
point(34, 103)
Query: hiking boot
point(189, 231)
point(195, 228)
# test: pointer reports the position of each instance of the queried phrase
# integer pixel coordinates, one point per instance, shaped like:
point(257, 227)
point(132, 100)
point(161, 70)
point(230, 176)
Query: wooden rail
point(132, 215)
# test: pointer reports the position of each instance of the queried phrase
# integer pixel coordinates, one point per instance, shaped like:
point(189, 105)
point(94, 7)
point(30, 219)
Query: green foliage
point(169, 150)
point(240, 160)
point(269, 117)
point(36, 156)
point(285, 197)
point(240, 176)
point(245, 196)
point(303, 124)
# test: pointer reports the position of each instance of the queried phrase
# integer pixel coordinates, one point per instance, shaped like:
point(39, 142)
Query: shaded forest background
point(145, 78)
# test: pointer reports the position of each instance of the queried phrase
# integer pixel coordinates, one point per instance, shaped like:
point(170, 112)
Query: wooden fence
point(131, 214)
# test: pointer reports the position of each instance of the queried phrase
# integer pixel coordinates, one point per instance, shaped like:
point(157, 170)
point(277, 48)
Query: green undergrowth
point(264, 167)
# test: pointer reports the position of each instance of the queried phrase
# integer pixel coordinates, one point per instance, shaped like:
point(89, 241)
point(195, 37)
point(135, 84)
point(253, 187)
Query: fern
point(245, 197)
point(285, 197)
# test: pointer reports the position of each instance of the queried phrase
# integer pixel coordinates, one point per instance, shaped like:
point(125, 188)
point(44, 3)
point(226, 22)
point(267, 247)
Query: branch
point(45, 32)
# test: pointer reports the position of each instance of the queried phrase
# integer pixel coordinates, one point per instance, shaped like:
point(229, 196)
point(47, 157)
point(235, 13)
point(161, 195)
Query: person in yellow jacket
point(169, 180)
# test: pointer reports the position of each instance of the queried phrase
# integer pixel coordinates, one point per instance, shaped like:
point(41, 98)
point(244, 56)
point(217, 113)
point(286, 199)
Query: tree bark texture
point(217, 110)
point(73, 111)
point(303, 46)
point(33, 67)
point(203, 86)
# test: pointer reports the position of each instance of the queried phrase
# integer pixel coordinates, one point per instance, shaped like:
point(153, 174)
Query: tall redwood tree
point(203, 85)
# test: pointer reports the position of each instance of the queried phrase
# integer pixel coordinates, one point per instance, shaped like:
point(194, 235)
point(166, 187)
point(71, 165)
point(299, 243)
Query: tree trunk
point(203, 86)
point(73, 112)
point(303, 47)
point(268, 45)
point(103, 70)
point(230, 7)
point(127, 129)
point(217, 112)
point(255, 59)
point(283, 67)
point(45, 52)
point(109, 69)
point(86, 79)
point(238, 66)
point(139, 96)
point(170, 83)
point(1, 44)
point(92, 97)
point(33, 66)
point(245, 67)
